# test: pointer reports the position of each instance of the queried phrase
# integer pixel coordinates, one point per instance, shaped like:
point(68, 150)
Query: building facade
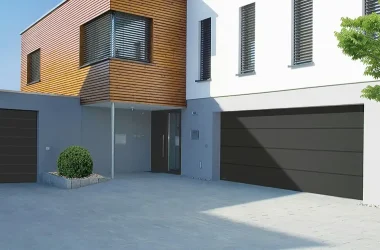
point(246, 91)
point(280, 105)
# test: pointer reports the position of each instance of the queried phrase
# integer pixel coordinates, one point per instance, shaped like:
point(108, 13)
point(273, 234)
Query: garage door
point(18, 146)
point(317, 150)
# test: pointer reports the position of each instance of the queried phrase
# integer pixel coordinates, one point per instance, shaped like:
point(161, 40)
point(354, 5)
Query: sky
point(16, 15)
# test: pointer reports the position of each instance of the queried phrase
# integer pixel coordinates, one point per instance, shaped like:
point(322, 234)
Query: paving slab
point(159, 211)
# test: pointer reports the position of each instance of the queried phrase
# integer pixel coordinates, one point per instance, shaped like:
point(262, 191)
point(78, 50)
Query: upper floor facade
point(256, 46)
point(109, 51)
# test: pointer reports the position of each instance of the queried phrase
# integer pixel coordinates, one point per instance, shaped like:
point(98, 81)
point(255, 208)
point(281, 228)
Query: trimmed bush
point(75, 162)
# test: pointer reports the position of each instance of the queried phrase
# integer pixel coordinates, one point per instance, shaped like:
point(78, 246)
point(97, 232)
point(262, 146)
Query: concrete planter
point(52, 179)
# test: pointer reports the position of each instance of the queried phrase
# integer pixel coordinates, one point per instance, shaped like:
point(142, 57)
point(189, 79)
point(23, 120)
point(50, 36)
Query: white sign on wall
point(121, 139)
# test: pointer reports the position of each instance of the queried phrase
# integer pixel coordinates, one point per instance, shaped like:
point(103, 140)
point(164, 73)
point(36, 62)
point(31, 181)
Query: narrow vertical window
point(247, 45)
point(205, 70)
point(372, 6)
point(303, 32)
point(34, 66)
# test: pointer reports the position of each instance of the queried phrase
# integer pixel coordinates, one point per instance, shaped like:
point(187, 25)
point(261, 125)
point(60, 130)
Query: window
point(132, 37)
point(34, 68)
point(247, 45)
point(303, 32)
point(116, 35)
point(97, 39)
point(205, 71)
point(372, 6)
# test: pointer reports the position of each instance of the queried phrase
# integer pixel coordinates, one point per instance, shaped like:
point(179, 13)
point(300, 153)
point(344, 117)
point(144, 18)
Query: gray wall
point(59, 123)
point(134, 156)
point(200, 158)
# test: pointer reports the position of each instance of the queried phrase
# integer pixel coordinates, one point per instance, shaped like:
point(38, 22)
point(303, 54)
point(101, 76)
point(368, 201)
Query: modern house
point(249, 91)
point(126, 62)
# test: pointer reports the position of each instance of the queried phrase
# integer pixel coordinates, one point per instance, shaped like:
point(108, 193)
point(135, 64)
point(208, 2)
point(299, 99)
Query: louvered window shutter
point(247, 39)
point(372, 6)
point(205, 70)
point(303, 31)
point(132, 37)
point(97, 39)
point(34, 67)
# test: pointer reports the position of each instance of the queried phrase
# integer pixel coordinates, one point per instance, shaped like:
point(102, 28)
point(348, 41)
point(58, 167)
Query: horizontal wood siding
point(58, 37)
point(163, 82)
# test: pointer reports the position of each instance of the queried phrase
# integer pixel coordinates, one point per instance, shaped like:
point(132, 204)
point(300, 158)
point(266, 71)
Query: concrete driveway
point(158, 211)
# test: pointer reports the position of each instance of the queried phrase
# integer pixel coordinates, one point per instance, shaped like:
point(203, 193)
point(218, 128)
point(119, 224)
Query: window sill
point(206, 80)
point(302, 65)
point(30, 83)
point(92, 63)
point(132, 61)
point(116, 59)
point(246, 74)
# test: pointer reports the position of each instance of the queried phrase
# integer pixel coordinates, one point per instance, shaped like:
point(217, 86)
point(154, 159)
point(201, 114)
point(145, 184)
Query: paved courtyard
point(158, 211)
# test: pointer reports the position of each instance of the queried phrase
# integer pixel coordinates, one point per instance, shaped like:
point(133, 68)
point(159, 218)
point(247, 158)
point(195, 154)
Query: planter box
point(53, 179)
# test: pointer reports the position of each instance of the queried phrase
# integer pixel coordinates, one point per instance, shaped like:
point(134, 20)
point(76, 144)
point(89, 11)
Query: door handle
point(163, 146)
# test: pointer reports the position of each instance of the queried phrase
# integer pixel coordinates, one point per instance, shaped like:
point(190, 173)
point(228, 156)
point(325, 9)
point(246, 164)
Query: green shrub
point(75, 162)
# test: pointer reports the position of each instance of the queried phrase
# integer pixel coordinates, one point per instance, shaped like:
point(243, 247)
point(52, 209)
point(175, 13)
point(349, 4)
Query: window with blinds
point(372, 6)
point(97, 39)
point(303, 32)
point(247, 39)
point(34, 66)
point(132, 37)
point(116, 35)
point(205, 70)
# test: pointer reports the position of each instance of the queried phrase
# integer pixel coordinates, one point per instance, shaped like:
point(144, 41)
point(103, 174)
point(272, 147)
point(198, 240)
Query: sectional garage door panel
point(307, 139)
point(338, 117)
point(317, 161)
point(18, 146)
point(317, 150)
point(312, 182)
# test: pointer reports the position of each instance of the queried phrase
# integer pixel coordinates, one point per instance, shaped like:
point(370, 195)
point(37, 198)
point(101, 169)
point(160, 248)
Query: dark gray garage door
point(317, 150)
point(18, 146)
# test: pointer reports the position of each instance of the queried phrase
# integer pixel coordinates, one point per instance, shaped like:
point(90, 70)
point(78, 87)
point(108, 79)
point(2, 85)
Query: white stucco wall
point(273, 47)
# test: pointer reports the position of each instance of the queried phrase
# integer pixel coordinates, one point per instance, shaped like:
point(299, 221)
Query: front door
point(159, 142)
point(165, 145)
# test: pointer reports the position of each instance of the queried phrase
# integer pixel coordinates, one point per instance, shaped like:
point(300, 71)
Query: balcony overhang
point(132, 106)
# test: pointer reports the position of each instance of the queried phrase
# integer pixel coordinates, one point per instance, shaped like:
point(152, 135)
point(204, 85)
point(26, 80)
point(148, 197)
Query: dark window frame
point(247, 39)
point(112, 41)
point(303, 34)
point(30, 77)
point(371, 6)
point(205, 49)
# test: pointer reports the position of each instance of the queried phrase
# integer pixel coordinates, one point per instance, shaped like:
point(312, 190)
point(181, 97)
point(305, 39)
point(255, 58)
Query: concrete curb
point(66, 183)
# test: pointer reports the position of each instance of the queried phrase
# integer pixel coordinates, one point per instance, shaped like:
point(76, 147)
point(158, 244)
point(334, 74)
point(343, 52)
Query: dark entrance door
point(18, 146)
point(317, 150)
point(159, 153)
point(165, 144)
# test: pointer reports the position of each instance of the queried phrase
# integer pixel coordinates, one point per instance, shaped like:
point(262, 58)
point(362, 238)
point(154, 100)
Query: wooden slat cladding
point(58, 38)
point(163, 82)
